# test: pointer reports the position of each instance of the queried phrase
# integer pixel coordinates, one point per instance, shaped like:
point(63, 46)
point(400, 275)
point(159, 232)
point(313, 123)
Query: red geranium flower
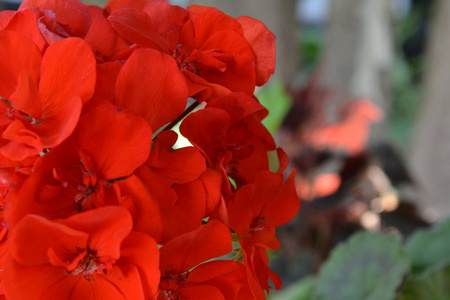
point(233, 139)
point(254, 213)
point(93, 168)
point(92, 255)
point(41, 97)
point(216, 53)
point(184, 275)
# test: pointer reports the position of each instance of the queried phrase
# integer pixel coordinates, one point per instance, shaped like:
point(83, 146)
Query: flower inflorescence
point(97, 202)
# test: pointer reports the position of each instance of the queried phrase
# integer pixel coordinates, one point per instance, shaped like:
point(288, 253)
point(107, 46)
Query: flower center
point(87, 266)
point(16, 114)
point(181, 56)
point(172, 295)
point(258, 224)
point(169, 285)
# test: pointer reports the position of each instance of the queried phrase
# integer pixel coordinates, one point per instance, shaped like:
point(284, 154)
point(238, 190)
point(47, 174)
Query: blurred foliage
point(432, 284)
point(303, 290)
point(310, 47)
point(430, 248)
point(376, 266)
point(96, 2)
point(275, 98)
point(406, 74)
point(406, 100)
point(369, 266)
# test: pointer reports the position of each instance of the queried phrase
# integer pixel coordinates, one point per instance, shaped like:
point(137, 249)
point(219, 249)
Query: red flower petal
point(190, 249)
point(107, 74)
point(22, 142)
point(17, 53)
point(208, 22)
point(108, 136)
point(128, 286)
point(26, 97)
point(113, 5)
point(136, 26)
point(145, 210)
point(147, 262)
point(68, 69)
point(262, 41)
point(151, 85)
point(101, 36)
point(72, 14)
point(37, 280)
point(165, 16)
point(34, 235)
point(178, 165)
point(284, 204)
point(107, 227)
point(25, 22)
point(59, 120)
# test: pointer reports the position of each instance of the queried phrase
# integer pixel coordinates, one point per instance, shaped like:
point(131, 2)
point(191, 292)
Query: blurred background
point(360, 103)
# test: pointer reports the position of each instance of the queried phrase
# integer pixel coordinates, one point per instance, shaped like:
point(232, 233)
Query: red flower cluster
point(97, 202)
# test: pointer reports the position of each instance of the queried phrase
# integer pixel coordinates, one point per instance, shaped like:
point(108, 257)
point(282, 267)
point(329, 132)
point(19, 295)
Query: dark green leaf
point(430, 247)
point(302, 290)
point(370, 266)
point(433, 284)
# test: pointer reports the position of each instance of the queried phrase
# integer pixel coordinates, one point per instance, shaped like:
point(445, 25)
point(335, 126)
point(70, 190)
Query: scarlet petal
point(204, 127)
point(101, 36)
point(190, 249)
point(284, 205)
point(211, 181)
point(136, 26)
point(151, 85)
point(140, 250)
point(108, 136)
point(264, 239)
point(179, 165)
point(201, 89)
point(201, 291)
point(107, 227)
point(68, 69)
point(143, 206)
point(225, 275)
point(262, 41)
point(191, 201)
point(106, 79)
point(242, 211)
point(37, 279)
point(165, 16)
point(26, 98)
point(25, 22)
point(22, 142)
point(5, 17)
point(217, 21)
point(70, 13)
point(34, 235)
point(113, 5)
point(58, 120)
point(102, 287)
point(17, 53)
point(240, 73)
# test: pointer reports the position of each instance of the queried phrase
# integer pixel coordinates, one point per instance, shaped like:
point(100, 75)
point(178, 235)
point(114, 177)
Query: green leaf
point(301, 290)
point(430, 247)
point(275, 98)
point(369, 266)
point(432, 284)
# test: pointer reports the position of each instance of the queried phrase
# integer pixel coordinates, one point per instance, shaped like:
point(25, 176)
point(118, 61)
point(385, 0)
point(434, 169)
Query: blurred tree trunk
point(359, 53)
point(431, 151)
point(279, 17)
